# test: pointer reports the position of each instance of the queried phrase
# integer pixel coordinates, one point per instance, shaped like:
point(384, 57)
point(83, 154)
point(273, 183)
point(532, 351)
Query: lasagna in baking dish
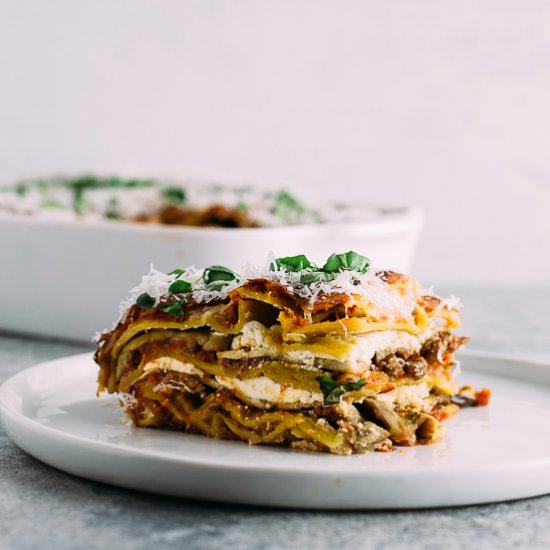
point(338, 358)
point(151, 201)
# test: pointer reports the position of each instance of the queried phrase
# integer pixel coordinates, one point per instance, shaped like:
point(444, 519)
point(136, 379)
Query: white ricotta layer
point(365, 347)
point(267, 390)
point(384, 341)
point(169, 363)
point(260, 388)
point(406, 396)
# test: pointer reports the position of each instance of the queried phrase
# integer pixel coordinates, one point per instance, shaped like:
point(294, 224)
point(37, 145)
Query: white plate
point(492, 453)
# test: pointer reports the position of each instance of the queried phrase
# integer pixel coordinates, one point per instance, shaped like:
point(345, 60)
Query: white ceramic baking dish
point(66, 278)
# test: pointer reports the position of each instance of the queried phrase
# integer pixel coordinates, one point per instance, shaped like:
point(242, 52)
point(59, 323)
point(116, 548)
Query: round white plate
point(490, 453)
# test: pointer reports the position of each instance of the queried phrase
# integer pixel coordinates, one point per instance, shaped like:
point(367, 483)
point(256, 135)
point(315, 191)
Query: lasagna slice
point(340, 358)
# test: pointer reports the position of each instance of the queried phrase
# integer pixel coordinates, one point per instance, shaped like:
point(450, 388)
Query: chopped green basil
point(93, 182)
point(326, 384)
point(125, 183)
point(354, 386)
point(48, 202)
point(81, 184)
point(112, 211)
point(333, 393)
point(218, 273)
point(217, 286)
point(179, 286)
point(175, 309)
point(292, 263)
point(287, 206)
point(317, 277)
point(41, 186)
point(175, 195)
point(145, 301)
point(21, 189)
point(242, 207)
point(346, 262)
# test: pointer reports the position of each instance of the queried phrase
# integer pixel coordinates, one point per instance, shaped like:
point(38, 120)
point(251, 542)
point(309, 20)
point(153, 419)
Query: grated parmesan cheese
point(381, 296)
point(452, 302)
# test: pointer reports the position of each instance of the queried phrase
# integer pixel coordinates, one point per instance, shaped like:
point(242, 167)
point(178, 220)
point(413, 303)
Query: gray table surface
point(43, 508)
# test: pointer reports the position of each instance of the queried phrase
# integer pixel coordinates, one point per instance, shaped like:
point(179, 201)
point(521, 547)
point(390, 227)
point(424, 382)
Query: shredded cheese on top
point(368, 285)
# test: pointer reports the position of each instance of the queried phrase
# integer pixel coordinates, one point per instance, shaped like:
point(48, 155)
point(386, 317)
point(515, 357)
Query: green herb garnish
point(81, 184)
point(349, 261)
point(242, 207)
point(317, 277)
point(218, 273)
point(175, 195)
point(177, 272)
point(48, 202)
point(333, 393)
point(145, 301)
point(41, 186)
point(93, 182)
point(21, 189)
point(346, 262)
point(326, 384)
point(175, 309)
point(287, 206)
point(124, 183)
point(179, 286)
point(292, 263)
point(112, 209)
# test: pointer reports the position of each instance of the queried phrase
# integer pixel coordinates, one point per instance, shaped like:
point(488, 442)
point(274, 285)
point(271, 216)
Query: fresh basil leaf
point(112, 209)
point(177, 272)
point(145, 301)
point(179, 286)
point(287, 206)
point(217, 286)
point(334, 396)
point(293, 263)
point(284, 198)
point(175, 195)
point(175, 309)
point(125, 183)
point(354, 386)
point(346, 262)
point(217, 273)
point(21, 189)
point(93, 182)
point(316, 277)
point(242, 207)
point(81, 184)
point(48, 202)
point(326, 384)
point(333, 393)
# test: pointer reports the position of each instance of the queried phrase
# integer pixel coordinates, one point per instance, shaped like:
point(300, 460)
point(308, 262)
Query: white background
point(438, 104)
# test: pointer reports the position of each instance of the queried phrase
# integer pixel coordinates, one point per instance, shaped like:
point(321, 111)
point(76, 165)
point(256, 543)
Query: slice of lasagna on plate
point(337, 358)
